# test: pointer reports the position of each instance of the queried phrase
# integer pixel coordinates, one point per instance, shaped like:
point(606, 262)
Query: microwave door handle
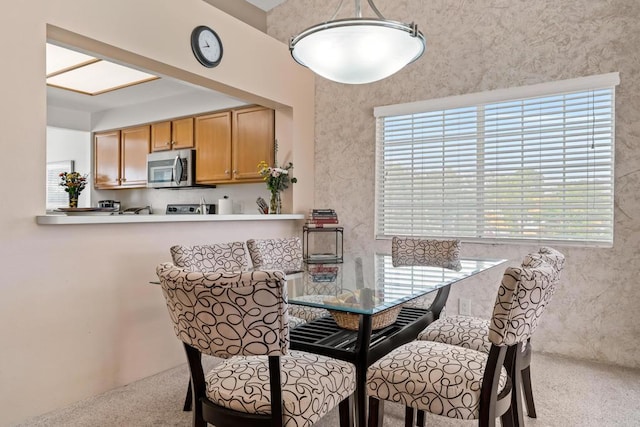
point(177, 170)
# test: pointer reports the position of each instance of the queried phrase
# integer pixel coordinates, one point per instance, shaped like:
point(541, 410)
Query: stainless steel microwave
point(171, 169)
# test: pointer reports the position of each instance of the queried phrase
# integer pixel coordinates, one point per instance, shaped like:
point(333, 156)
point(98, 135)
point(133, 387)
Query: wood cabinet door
point(182, 133)
point(253, 141)
point(135, 145)
point(161, 136)
point(213, 148)
point(106, 168)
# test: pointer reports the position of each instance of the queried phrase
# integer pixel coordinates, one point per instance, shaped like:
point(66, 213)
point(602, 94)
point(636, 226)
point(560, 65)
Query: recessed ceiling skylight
point(71, 70)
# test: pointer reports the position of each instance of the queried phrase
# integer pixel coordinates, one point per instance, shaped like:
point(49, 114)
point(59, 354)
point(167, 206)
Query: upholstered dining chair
point(413, 251)
point(462, 383)
point(473, 332)
point(285, 254)
point(242, 318)
point(229, 256)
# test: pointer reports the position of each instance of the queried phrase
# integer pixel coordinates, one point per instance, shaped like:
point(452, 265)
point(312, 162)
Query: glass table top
point(371, 284)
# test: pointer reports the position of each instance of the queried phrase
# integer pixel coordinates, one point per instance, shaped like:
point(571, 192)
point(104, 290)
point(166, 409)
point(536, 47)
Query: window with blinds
point(56, 196)
point(522, 164)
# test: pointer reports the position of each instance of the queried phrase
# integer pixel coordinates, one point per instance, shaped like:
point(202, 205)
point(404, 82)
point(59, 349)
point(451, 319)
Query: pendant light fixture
point(357, 50)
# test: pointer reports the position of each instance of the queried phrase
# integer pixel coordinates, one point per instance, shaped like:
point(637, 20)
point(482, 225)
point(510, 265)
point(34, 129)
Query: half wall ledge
point(128, 219)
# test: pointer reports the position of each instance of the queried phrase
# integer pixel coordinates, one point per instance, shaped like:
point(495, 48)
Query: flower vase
point(275, 205)
point(73, 199)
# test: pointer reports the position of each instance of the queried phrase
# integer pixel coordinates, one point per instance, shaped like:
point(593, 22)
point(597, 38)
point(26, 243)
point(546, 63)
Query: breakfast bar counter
point(125, 219)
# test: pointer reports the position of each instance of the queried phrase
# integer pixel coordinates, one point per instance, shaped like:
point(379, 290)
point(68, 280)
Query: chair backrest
point(522, 299)
point(230, 256)
point(406, 251)
point(282, 253)
point(545, 254)
point(225, 314)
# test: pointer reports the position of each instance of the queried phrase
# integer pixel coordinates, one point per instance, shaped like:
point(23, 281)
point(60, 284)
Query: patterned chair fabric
point(226, 314)
point(309, 313)
point(423, 301)
point(322, 288)
point(294, 321)
point(522, 298)
point(406, 251)
point(312, 385)
point(243, 317)
point(473, 332)
point(463, 331)
point(438, 378)
point(546, 254)
point(446, 379)
point(221, 256)
point(283, 254)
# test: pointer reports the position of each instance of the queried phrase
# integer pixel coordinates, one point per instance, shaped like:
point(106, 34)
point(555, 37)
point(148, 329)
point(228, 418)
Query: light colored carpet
point(568, 393)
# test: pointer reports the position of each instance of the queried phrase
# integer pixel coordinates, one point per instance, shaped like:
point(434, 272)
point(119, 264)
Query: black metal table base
point(362, 347)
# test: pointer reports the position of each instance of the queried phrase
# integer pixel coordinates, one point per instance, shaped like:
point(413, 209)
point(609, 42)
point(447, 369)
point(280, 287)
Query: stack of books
point(319, 218)
point(322, 273)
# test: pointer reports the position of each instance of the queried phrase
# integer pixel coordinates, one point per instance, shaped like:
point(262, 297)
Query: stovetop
point(188, 209)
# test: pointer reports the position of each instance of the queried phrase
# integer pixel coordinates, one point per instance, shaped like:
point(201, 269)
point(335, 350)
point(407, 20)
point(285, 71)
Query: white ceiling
point(138, 94)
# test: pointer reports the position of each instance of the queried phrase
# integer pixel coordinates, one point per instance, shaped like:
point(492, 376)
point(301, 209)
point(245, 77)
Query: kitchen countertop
point(124, 219)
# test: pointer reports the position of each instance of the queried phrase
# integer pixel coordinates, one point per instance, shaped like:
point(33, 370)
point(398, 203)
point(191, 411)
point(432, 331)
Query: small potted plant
point(73, 184)
point(277, 178)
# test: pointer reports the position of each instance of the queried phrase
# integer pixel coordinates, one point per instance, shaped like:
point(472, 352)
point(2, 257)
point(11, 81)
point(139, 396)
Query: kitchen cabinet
point(213, 148)
point(253, 138)
point(120, 158)
point(230, 144)
point(106, 153)
point(172, 135)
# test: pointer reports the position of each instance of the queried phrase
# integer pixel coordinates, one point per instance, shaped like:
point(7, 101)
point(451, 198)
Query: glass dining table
point(364, 289)
point(358, 293)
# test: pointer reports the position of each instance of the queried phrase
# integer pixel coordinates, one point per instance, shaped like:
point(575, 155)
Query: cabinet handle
point(168, 143)
point(173, 142)
point(235, 172)
point(226, 172)
point(124, 180)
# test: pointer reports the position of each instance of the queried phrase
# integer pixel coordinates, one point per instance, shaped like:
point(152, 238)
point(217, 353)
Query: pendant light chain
point(358, 9)
point(375, 9)
point(337, 10)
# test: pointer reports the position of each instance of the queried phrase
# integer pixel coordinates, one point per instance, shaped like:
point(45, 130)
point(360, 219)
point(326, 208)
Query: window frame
point(480, 100)
point(57, 197)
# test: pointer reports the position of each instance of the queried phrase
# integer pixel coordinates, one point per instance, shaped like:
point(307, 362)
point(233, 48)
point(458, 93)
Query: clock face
point(206, 46)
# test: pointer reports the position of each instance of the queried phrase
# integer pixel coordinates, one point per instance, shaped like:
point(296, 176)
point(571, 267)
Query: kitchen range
point(190, 209)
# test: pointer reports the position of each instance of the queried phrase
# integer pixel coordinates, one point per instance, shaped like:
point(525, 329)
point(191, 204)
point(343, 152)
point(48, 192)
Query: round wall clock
point(206, 46)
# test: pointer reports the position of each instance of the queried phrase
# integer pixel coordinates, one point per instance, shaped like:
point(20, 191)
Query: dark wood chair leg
point(346, 412)
point(507, 419)
point(528, 392)
point(420, 418)
point(376, 412)
point(409, 416)
point(188, 399)
point(515, 367)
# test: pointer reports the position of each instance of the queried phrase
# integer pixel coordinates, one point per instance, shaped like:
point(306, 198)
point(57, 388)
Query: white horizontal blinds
point(56, 196)
point(536, 168)
point(406, 282)
point(428, 173)
point(548, 168)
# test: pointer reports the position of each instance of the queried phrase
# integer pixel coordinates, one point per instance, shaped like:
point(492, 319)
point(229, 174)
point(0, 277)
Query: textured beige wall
point(482, 45)
point(77, 313)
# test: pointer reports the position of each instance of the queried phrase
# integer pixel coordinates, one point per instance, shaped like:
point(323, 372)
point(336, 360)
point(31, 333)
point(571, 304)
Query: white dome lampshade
point(358, 50)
